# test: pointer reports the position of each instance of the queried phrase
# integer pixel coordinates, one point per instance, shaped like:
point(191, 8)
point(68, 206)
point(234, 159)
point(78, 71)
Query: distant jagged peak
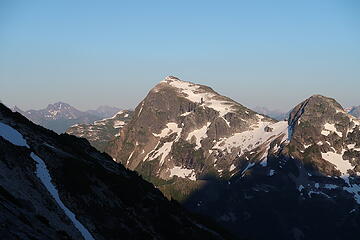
point(320, 118)
point(59, 105)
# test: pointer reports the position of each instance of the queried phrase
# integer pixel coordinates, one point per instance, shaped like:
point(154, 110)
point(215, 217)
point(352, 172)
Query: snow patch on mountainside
point(165, 148)
point(171, 127)
point(128, 160)
point(113, 117)
point(185, 114)
point(12, 135)
point(116, 123)
point(163, 152)
point(119, 124)
point(336, 158)
point(199, 134)
point(141, 108)
point(183, 173)
point(329, 128)
point(43, 174)
point(253, 138)
point(352, 147)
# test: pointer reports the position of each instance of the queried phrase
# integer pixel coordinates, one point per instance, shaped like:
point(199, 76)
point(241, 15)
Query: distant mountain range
point(104, 111)
point(275, 114)
point(60, 116)
point(355, 111)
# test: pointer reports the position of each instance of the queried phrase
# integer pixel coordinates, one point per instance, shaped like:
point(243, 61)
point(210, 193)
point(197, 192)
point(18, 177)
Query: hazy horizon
point(253, 107)
point(268, 54)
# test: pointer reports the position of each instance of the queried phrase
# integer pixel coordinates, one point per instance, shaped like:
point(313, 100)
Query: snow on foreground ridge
point(12, 135)
point(43, 174)
point(16, 138)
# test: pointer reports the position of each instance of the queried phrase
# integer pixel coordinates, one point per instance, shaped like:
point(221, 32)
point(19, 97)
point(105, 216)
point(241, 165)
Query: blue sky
point(260, 53)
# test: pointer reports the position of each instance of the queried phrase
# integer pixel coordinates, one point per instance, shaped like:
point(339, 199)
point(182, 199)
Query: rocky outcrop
point(101, 132)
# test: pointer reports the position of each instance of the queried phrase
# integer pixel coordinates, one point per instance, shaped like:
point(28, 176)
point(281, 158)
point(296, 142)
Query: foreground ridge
point(48, 179)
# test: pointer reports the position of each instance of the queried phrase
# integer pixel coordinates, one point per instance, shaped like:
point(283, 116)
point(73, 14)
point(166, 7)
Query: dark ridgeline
point(109, 200)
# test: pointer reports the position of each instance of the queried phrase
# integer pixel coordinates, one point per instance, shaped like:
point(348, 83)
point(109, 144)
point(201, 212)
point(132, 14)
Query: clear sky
point(260, 53)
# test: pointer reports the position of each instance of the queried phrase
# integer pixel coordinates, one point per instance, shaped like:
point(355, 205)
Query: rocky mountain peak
point(200, 96)
point(324, 133)
point(186, 130)
point(315, 106)
point(319, 110)
point(59, 106)
point(60, 110)
point(58, 116)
